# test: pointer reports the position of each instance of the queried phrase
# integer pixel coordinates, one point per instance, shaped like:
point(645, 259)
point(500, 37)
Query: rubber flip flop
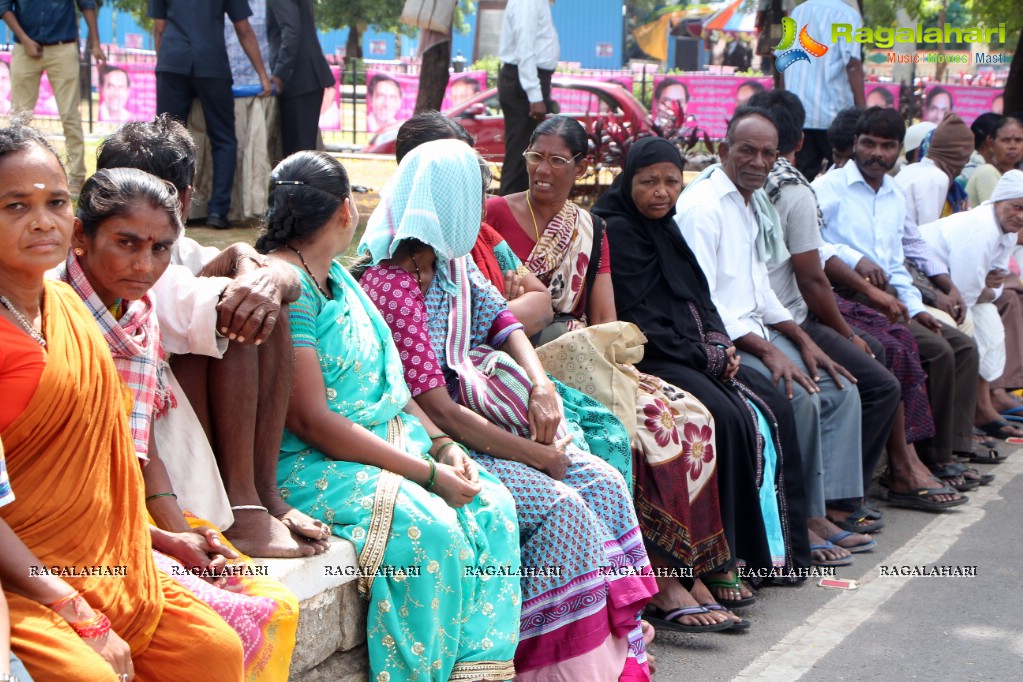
point(740, 626)
point(955, 470)
point(1013, 413)
point(983, 456)
point(847, 561)
point(855, 549)
point(917, 499)
point(734, 584)
point(667, 620)
point(854, 523)
point(994, 429)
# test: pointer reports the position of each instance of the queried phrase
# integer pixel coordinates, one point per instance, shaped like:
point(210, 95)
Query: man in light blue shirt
point(864, 210)
point(826, 84)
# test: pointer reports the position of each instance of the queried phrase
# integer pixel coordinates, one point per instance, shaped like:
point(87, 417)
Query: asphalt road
point(891, 627)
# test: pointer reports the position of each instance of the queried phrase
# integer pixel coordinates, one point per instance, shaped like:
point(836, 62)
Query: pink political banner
point(390, 98)
point(708, 100)
point(463, 86)
point(127, 92)
point(330, 110)
point(969, 101)
point(46, 104)
point(882, 95)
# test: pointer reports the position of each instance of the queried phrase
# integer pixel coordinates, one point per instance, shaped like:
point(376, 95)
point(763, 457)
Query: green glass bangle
point(152, 497)
point(433, 475)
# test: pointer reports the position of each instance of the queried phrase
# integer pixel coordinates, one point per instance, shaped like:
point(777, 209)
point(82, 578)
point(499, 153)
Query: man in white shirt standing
point(529, 54)
point(865, 211)
point(719, 220)
point(826, 84)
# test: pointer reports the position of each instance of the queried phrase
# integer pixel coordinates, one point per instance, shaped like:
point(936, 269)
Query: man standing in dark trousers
point(299, 71)
point(529, 54)
point(191, 61)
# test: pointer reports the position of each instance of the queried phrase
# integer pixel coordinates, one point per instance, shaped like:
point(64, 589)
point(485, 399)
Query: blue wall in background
point(582, 26)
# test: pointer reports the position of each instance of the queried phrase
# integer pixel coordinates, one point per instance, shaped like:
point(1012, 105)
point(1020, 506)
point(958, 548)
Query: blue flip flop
point(855, 549)
point(847, 561)
point(1014, 413)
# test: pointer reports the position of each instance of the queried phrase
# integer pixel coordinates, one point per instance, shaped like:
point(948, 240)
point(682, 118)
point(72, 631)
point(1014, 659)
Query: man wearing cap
point(46, 39)
point(975, 247)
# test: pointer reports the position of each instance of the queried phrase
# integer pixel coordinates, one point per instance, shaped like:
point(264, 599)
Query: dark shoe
point(217, 221)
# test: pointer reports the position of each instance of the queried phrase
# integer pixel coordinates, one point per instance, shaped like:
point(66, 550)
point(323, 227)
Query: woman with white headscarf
point(473, 371)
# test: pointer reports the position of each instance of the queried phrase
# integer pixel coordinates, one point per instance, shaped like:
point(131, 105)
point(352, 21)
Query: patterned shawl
point(784, 173)
point(134, 341)
point(561, 257)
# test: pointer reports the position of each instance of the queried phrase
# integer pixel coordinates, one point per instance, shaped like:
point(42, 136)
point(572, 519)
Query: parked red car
point(481, 115)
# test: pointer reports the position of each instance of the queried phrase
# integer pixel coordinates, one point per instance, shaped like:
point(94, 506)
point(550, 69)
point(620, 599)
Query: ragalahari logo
point(807, 46)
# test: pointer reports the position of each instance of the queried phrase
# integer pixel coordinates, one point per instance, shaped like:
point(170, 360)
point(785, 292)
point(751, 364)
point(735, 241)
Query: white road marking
point(827, 628)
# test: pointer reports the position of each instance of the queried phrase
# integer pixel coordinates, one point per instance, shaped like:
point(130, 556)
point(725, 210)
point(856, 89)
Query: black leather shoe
point(217, 221)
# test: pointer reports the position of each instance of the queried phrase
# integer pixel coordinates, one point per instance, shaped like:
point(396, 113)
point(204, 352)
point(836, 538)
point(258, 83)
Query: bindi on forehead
point(39, 185)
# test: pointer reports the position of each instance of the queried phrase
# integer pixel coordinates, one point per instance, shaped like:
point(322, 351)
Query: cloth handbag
point(433, 15)
point(490, 382)
point(599, 361)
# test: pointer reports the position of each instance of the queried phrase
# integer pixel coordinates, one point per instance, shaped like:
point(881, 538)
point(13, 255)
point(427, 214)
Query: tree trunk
point(1014, 83)
point(433, 77)
point(353, 48)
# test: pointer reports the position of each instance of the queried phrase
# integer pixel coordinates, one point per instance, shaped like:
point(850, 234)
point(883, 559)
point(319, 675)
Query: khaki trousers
point(60, 62)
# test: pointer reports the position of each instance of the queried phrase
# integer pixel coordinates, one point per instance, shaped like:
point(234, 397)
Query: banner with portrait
point(127, 92)
point(710, 100)
point(391, 97)
point(882, 95)
point(969, 101)
point(46, 104)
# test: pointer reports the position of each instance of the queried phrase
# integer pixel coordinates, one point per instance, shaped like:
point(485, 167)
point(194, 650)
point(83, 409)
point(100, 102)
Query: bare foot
point(702, 594)
point(1002, 400)
point(648, 638)
point(258, 534)
point(302, 525)
point(826, 555)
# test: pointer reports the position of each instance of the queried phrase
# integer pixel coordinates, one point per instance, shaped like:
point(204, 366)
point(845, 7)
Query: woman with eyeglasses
point(557, 241)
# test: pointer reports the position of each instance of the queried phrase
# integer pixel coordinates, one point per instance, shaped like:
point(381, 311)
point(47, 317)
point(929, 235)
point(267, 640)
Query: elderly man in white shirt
point(529, 53)
point(976, 246)
point(222, 313)
point(720, 224)
point(865, 211)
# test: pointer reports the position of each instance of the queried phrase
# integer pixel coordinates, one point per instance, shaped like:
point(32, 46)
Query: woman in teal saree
point(437, 537)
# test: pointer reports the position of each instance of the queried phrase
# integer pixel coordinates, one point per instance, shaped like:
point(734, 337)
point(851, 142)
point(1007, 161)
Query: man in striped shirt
point(826, 84)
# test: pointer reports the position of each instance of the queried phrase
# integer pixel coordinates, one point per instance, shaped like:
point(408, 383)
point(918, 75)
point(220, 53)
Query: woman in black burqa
point(659, 286)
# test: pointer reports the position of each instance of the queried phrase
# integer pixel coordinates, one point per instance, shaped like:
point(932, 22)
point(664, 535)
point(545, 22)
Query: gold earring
point(79, 252)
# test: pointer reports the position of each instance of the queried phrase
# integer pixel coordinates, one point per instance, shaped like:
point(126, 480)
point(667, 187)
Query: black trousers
point(300, 121)
point(951, 362)
point(174, 95)
point(814, 151)
point(518, 125)
point(880, 393)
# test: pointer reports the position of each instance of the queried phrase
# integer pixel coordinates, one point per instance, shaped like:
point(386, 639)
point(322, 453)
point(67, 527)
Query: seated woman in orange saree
point(86, 601)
